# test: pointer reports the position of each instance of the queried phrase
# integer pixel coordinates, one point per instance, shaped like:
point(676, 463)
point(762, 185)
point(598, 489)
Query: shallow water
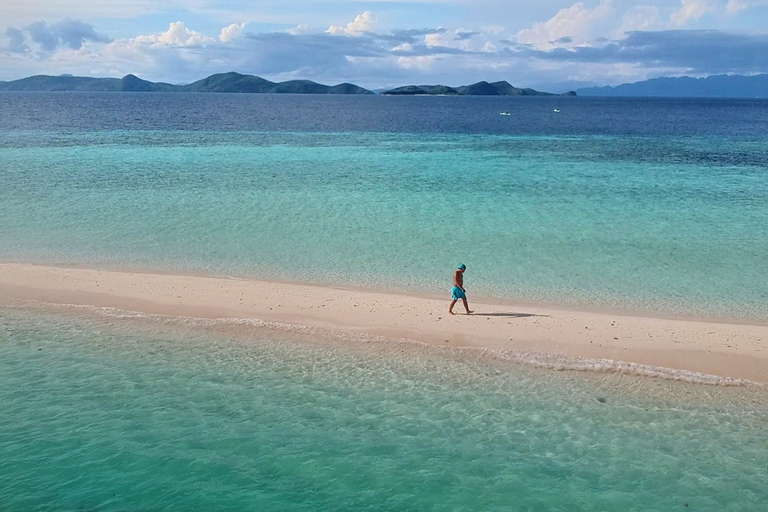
point(119, 413)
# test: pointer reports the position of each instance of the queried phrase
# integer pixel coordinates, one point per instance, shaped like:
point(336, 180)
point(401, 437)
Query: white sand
point(736, 350)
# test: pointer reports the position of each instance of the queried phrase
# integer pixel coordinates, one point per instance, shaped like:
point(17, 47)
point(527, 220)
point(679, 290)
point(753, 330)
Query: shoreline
point(734, 350)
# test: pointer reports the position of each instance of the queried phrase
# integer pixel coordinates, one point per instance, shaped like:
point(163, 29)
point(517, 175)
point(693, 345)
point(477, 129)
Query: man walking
point(458, 291)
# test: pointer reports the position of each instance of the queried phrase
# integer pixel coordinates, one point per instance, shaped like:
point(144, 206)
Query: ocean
point(648, 205)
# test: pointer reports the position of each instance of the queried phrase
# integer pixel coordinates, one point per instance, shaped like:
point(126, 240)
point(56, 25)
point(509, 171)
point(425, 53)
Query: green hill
point(61, 83)
point(230, 82)
point(414, 90)
point(132, 83)
point(347, 88)
point(223, 82)
point(477, 89)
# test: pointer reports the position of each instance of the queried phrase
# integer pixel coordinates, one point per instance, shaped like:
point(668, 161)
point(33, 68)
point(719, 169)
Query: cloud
point(419, 62)
point(463, 35)
point(734, 6)
point(308, 55)
point(299, 29)
point(364, 22)
point(177, 35)
point(576, 22)
point(43, 35)
point(417, 32)
point(403, 47)
point(231, 32)
point(446, 41)
point(67, 32)
point(696, 52)
point(640, 17)
point(691, 10)
point(16, 44)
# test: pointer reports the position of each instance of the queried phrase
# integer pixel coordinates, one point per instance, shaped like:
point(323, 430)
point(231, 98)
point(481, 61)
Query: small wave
point(557, 362)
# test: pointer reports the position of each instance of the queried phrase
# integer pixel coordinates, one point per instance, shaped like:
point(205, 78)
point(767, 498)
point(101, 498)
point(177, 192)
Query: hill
point(477, 89)
point(223, 82)
point(716, 86)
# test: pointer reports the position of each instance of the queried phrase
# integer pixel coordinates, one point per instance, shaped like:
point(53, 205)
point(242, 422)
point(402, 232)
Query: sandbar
point(734, 350)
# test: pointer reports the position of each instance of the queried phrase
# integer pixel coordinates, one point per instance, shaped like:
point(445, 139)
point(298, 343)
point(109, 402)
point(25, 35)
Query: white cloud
point(418, 62)
point(734, 6)
point(441, 38)
point(300, 29)
point(405, 47)
point(489, 47)
point(231, 32)
point(641, 17)
point(460, 39)
point(362, 23)
point(571, 26)
point(176, 35)
point(494, 29)
point(691, 10)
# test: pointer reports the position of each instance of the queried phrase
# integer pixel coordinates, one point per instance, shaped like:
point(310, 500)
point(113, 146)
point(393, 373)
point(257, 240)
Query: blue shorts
point(458, 293)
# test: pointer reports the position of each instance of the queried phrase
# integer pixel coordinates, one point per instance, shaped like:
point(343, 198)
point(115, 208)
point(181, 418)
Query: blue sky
point(549, 44)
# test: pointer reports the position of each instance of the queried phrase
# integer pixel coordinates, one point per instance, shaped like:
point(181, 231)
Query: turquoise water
point(119, 413)
point(660, 224)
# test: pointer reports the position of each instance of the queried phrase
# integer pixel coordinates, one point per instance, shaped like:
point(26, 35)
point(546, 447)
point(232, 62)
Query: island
point(483, 88)
point(233, 82)
point(714, 86)
point(222, 82)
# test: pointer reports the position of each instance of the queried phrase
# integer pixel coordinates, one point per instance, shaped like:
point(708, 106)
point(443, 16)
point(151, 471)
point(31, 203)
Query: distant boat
point(557, 110)
point(504, 114)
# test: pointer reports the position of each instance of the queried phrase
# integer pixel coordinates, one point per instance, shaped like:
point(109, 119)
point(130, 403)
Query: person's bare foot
point(451, 312)
point(470, 311)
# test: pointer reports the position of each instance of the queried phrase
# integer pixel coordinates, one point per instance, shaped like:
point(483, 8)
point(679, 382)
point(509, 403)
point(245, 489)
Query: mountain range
point(716, 86)
point(223, 82)
point(237, 83)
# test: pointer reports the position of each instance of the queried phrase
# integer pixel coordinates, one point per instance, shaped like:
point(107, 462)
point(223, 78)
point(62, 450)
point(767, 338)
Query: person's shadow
point(508, 315)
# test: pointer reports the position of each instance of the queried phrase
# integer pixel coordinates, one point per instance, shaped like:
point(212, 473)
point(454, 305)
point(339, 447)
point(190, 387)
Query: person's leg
point(450, 308)
point(466, 305)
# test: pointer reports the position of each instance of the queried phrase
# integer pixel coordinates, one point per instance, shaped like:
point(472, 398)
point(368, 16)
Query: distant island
point(478, 89)
point(716, 86)
point(222, 82)
point(237, 83)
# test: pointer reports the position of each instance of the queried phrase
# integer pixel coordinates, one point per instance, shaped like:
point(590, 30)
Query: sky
point(551, 45)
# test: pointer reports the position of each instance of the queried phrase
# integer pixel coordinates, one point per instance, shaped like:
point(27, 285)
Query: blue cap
point(462, 266)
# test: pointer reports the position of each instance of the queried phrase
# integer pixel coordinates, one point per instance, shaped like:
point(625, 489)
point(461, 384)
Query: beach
point(729, 350)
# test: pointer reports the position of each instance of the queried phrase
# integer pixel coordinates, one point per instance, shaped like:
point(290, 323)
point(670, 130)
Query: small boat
point(557, 110)
point(504, 114)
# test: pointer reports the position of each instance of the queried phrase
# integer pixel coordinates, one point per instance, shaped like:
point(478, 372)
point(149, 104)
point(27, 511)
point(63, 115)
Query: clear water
point(650, 205)
point(644, 204)
point(124, 414)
